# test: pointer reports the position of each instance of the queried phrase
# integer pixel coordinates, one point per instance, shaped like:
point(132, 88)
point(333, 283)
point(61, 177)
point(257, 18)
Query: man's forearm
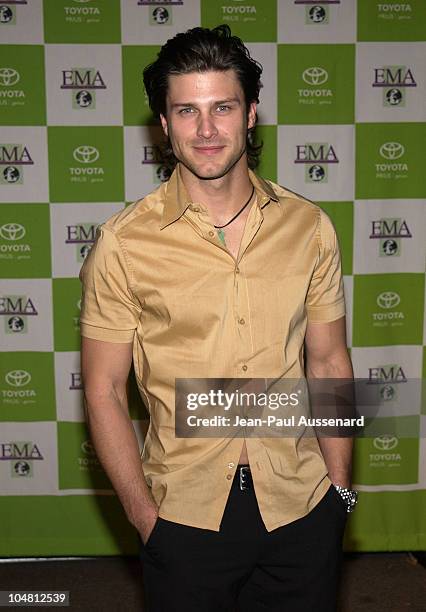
point(117, 448)
point(337, 451)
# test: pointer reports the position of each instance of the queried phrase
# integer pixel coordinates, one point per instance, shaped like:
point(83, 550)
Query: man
point(217, 274)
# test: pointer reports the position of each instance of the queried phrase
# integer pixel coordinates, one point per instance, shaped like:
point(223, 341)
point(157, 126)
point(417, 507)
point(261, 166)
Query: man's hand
point(147, 523)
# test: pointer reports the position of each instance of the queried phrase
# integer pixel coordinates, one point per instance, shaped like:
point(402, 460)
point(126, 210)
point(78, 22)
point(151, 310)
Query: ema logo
point(82, 235)
point(13, 157)
point(160, 16)
point(21, 456)
point(389, 232)
point(76, 384)
point(315, 76)
point(387, 376)
point(151, 156)
point(163, 2)
point(316, 156)
point(391, 152)
point(86, 155)
point(317, 13)
point(7, 14)
point(16, 309)
point(388, 300)
point(394, 80)
point(83, 83)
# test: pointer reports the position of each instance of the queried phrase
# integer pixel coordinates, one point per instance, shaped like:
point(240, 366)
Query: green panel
point(423, 404)
point(25, 241)
point(22, 86)
point(81, 22)
point(254, 21)
point(389, 160)
point(135, 101)
point(86, 164)
point(267, 167)
point(79, 467)
point(388, 458)
point(316, 84)
point(65, 526)
point(388, 309)
point(342, 215)
point(392, 20)
point(388, 520)
point(66, 313)
point(27, 391)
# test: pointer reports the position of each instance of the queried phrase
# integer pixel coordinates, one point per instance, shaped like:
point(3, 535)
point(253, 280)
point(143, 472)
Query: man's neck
point(223, 197)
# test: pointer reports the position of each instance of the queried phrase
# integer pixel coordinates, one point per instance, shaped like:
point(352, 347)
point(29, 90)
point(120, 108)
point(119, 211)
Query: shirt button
point(229, 476)
point(196, 209)
point(241, 321)
point(211, 233)
point(237, 270)
point(245, 368)
point(231, 464)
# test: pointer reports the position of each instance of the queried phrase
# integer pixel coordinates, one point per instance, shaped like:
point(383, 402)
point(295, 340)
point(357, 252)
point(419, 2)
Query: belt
point(243, 478)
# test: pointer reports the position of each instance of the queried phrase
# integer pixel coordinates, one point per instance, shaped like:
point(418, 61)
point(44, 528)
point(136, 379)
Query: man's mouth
point(209, 149)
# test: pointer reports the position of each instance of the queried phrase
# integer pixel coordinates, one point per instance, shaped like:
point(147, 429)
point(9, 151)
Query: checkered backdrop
point(342, 118)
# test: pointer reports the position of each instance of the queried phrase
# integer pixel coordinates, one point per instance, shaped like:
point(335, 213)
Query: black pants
point(243, 567)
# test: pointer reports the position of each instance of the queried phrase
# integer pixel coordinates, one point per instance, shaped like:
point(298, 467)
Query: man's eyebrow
point(215, 103)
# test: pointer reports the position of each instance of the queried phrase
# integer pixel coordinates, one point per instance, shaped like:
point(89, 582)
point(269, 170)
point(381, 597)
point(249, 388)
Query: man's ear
point(251, 115)
point(164, 124)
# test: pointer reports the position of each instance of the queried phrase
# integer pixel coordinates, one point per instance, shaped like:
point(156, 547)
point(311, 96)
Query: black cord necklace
point(238, 213)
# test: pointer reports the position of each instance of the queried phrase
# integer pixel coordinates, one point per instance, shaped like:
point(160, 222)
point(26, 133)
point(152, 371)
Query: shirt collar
point(177, 200)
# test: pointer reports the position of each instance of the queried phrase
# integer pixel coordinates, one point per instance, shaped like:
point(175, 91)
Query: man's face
point(207, 122)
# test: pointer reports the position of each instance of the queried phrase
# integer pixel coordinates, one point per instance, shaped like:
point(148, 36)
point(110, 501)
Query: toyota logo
point(18, 378)
point(385, 442)
point(86, 154)
point(315, 75)
point(392, 150)
point(12, 231)
point(388, 299)
point(87, 448)
point(8, 77)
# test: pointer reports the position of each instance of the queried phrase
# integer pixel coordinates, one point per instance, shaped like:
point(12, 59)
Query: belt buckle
point(243, 479)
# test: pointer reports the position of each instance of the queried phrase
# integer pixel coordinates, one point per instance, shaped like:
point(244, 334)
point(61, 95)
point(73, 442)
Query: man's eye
point(222, 108)
point(186, 111)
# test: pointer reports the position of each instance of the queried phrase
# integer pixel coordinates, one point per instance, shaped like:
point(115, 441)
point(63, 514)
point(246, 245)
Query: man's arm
point(327, 357)
point(105, 369)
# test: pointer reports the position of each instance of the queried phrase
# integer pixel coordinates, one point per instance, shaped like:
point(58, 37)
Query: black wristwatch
point(349, 496)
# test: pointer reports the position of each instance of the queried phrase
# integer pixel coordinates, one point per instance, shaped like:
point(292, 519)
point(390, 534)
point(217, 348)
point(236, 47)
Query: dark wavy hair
point(202, 50)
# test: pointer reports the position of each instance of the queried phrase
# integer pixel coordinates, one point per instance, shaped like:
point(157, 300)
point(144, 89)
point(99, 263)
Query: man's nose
point(206, 126)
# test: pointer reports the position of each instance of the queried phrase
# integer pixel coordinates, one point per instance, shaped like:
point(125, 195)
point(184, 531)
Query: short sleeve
point(109, 310)
point(325, 301)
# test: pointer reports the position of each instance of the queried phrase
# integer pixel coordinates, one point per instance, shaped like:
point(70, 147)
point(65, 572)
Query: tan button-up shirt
point(159, 276)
